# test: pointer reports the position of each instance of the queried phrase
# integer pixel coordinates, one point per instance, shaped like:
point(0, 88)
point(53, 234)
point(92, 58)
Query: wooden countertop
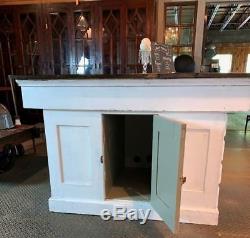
point(149, 76)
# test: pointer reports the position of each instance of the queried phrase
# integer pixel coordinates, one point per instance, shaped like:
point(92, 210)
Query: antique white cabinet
point(104, 136)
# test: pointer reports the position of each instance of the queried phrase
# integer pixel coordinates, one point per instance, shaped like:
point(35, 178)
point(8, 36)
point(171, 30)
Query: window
point(248, 64)
point(180, 19)
point(225, 62)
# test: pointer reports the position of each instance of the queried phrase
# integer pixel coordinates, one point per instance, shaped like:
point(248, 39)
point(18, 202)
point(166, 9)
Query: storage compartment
point(128, 156)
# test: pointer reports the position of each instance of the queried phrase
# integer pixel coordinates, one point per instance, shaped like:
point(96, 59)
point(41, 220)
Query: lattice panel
point(136, 22)
point(7, 47)
point(84, 61)
point(136, 31)
point(58, 24)
point(30, 43)
point(111, 41)
point(60, 42)
point(111, 22)
point(6, 22)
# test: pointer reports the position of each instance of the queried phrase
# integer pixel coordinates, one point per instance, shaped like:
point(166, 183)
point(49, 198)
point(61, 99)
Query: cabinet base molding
point(94, 207)
point(200, 216)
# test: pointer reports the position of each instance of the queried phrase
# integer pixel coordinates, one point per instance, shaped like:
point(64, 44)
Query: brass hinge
point(183, 180)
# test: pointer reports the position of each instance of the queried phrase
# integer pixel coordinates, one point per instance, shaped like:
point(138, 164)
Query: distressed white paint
point(198, 138)
point(204, 148)
point(124, 95)
point(74, 144)
point(73, 113)
point(73, 157)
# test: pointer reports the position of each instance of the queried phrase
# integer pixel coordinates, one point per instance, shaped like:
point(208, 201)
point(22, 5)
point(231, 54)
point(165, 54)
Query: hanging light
point(171, 35)
point(83, 24)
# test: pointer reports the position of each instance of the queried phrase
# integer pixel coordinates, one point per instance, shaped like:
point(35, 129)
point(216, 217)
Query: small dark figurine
point(184, 64)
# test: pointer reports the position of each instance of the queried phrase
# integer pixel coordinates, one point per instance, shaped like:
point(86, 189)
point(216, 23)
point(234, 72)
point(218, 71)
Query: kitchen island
point(138, 141)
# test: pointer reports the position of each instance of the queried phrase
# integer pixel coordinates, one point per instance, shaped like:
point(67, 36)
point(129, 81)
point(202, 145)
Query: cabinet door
point(136, 31)
point(74, 144)
point(167, 164)
point(30, 38)
point(8, 48)
point(84, 40)
point(71, 38)
point(59, 32)
point(123, 26)
point(29, 52)
point(8, 53)
point(111, 40)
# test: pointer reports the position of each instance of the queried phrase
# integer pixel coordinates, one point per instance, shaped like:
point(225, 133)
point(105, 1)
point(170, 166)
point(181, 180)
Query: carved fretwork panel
point(64, 38)
point(30, 43)
point(136, 31)
point(8, 52)
point(60, 43)
point(111, 41)
point(84, 43)
point(8, 55)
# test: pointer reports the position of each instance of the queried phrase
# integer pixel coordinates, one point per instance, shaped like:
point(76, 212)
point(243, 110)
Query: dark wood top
point(16, 135)
point(5, 89)
point(14, 131)
point(132, 76)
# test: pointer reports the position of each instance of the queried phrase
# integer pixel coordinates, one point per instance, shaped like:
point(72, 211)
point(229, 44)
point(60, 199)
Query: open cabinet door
point(167, 166)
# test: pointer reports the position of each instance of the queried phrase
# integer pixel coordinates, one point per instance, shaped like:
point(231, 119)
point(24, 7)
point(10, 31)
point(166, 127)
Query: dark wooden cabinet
point(20, 52)
point(8, 45)
point(30, 41)
point(71, 45)
point(8, 53)
point(90, 38)
point(123, 26)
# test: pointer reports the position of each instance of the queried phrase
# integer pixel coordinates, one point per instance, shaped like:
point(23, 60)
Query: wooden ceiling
point(20, 2)
point(234, 16)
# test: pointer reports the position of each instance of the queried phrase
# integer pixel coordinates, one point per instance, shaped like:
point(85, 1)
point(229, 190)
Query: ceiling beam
point(242, 16)
point(213, 16)
point(23, 2)
point(244, 22)
point(230, 16)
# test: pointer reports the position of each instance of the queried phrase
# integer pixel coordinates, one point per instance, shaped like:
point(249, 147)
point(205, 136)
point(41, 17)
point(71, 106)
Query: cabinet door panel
point(124, 25)
point(136, 31)
point(8, 47)
point(84, 41)
point(30, 49)
point(59, 41)
point(167, 164)
point(74, 143)
point(71, 38)
point(30, 42)
point(111, 44)
point(8, 54)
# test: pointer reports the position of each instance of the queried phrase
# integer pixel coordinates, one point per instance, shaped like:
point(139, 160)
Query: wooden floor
point(234, 202)
point(132, 184)
point(237, 139)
